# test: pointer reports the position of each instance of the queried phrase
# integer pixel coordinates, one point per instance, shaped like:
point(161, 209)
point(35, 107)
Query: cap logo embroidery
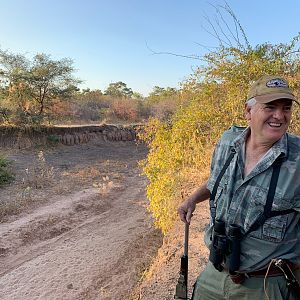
point(277, 83)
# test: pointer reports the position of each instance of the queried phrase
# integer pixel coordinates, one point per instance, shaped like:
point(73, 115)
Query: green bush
point(52, 138)
point(5, 174)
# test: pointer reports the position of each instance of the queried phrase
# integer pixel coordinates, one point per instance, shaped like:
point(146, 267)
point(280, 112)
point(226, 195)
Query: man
point(254, 191)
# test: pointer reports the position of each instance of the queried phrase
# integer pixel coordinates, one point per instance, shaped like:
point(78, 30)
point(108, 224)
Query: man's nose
point(278, 113)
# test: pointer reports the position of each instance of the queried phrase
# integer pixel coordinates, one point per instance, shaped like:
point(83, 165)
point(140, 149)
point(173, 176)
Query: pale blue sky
point(108, 39)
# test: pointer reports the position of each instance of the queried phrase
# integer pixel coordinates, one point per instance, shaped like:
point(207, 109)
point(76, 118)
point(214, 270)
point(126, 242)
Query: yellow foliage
point(180, 150)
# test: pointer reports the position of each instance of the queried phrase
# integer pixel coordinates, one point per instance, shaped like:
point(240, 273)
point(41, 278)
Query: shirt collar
point(278, 148)
point(239, 141)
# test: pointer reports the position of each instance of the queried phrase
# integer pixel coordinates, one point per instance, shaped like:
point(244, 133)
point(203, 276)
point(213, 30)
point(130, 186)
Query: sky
point(119, 40)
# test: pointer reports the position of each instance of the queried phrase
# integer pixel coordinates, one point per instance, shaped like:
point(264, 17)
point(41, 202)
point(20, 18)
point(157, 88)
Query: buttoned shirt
point(241, 199)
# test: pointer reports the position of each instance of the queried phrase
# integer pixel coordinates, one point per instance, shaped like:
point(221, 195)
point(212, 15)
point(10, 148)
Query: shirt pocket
point(274, 228)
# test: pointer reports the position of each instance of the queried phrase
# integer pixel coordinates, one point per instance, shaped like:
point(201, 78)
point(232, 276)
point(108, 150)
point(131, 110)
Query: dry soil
point(76, 226)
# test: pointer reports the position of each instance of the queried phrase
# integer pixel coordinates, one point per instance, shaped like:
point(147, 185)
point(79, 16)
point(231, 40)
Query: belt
point(273, 271)
point(270, 272)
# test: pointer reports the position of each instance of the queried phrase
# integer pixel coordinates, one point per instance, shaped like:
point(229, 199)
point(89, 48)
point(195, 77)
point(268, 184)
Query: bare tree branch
point(235, 37)
point(216, 34)
point(230, 11)
point(191, 56)
point(225, 35)
point(218, 23)
point(238, 28)
point(220, 30)
point(208, 48)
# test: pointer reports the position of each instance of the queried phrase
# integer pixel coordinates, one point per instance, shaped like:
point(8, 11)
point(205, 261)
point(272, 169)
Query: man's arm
point(187, 208)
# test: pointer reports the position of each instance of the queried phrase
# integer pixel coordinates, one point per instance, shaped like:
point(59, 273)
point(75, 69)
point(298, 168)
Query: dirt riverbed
point(77, 227)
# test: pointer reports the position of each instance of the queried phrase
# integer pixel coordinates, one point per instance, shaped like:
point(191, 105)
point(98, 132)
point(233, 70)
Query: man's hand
point(185, 210)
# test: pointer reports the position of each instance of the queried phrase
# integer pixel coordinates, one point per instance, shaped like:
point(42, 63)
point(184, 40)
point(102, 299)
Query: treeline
point(118, 104)
point(41, 90)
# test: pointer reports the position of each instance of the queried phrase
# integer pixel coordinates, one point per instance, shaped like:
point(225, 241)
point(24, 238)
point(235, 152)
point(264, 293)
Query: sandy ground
point(76, 226)
point(162, 277)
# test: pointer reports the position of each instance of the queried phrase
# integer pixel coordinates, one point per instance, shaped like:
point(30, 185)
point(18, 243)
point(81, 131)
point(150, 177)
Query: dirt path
point(82, 230)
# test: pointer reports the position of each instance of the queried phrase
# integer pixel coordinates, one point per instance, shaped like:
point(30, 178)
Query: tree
point(162, 92)
point(137, 96)
point(118, 89)
point(32, 85)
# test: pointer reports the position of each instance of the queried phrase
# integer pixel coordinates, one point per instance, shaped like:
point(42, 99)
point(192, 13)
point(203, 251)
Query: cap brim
point(266, 98)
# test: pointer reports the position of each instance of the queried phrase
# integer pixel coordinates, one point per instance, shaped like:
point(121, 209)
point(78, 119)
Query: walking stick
point(181, 292)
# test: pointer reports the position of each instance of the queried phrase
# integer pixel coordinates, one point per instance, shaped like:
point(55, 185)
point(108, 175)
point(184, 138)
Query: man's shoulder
point(235, 129)
point(232, 132)
point(293, 139)
point(293, 144)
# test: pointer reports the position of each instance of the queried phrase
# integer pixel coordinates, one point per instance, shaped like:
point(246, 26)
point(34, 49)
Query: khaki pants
point(215, 285)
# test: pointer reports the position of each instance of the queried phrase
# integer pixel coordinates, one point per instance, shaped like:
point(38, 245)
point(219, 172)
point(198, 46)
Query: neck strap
point(267, 213)
point(215, 188)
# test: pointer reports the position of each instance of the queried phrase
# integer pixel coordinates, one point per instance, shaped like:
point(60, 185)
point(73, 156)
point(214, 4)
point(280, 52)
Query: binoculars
point(225, 248)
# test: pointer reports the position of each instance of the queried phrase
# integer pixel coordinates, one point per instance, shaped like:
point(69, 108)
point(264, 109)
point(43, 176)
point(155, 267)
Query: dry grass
point(39, 176)
point(87, 173)
point(105, 186)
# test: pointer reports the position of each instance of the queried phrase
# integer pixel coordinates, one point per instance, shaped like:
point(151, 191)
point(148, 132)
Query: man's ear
point(247, 112)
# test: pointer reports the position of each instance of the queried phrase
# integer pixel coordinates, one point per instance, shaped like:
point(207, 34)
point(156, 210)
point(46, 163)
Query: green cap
point(269, 88)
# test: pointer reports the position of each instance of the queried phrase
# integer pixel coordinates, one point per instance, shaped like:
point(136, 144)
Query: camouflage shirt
point(240, 200)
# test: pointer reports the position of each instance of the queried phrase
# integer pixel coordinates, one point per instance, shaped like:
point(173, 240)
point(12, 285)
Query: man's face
point(269, 122)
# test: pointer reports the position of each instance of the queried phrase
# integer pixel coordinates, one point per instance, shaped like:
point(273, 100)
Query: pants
point(215, 285)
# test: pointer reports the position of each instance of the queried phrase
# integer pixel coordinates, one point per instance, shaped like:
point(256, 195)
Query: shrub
point(125, 109)
point(180, 149)
point(52, 138)
point(6, 175)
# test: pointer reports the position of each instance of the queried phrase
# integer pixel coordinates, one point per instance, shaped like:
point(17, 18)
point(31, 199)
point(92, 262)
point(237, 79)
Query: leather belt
point(271, 272)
